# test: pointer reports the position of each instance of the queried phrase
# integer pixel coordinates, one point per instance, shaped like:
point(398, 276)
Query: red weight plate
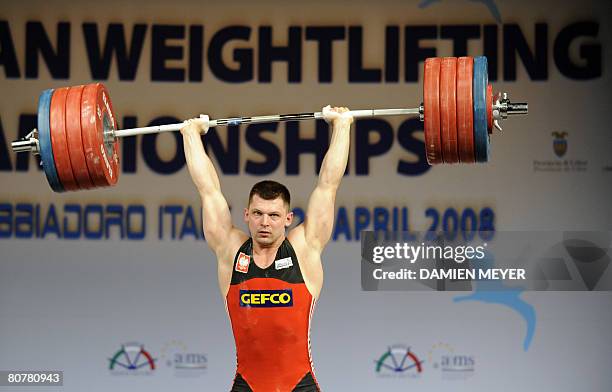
point(448, 109)
point(465, 109)
point(59, 140)
point(114, 146)
point(431, 98)
point(96, 117)
point(75, 141)
point(115, 143)
point(490, 108)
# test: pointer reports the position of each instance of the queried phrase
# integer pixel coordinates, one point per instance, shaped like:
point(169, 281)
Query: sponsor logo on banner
point(266, 298)
point(450, 364)
point(560, 143)
point(571, 164)
point(184, 362)
point(132, 359)
point(242, 265)
point(398, 362)
point(283, 263)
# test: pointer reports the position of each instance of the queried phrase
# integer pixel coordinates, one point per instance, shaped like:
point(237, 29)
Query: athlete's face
point(267, 219)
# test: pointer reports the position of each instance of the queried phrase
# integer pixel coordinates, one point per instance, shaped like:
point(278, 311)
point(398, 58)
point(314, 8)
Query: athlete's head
point(268, 212)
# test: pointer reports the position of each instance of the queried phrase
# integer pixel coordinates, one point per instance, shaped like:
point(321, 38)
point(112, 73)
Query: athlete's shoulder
point(236, 240)
point(297, 236)
point(302, 248)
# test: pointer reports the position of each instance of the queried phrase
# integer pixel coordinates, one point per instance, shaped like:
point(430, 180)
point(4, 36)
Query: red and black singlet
point(270, 310)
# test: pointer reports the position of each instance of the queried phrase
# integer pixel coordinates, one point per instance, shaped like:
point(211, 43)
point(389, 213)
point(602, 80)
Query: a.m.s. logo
point(266, 298)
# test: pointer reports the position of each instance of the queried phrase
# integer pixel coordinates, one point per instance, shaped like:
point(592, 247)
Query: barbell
point(77, 135)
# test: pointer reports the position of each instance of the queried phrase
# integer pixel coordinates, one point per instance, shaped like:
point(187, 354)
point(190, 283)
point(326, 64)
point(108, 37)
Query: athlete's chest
point(284, 268)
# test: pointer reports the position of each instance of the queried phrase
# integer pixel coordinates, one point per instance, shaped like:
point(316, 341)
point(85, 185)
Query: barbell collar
point(503, 107)
point(29, 143)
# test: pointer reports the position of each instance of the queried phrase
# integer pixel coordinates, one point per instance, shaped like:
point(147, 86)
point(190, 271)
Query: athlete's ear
point(246, 215)
point(289, 219)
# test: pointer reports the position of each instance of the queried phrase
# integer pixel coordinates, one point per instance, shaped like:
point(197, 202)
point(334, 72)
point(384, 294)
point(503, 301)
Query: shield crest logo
point(559, 143)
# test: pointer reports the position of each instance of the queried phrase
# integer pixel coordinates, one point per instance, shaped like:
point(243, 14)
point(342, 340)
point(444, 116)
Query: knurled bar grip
point(261, 119)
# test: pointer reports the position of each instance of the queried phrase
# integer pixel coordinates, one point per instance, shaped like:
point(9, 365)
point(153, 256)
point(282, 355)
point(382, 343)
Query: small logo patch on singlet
point(283, 263)
point(266, 298)
point(242, 265)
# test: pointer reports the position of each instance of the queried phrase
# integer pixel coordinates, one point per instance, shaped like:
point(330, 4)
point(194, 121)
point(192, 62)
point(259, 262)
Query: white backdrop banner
point(117, 288)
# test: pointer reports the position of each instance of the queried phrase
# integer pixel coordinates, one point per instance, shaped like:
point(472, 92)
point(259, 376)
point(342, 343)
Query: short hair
point(270, 190)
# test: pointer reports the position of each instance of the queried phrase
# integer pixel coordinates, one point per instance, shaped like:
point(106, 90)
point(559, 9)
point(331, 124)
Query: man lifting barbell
point(270, 280)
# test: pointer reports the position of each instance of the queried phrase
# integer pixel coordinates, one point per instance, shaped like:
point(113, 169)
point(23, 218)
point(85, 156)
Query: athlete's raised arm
point(221, 235)
point(319, 220)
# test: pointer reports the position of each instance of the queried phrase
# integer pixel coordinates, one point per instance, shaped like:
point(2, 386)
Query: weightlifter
point(270, 279)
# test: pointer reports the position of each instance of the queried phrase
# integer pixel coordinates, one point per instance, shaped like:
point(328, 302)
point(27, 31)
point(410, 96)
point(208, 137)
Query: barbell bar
point(77, 136)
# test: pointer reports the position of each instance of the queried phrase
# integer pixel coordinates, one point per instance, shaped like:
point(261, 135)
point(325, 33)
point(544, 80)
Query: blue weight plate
point(481, 134)
point(44, 141)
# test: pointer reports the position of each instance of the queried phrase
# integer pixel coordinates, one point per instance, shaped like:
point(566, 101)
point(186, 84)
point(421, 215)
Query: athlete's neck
point(267, 251)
